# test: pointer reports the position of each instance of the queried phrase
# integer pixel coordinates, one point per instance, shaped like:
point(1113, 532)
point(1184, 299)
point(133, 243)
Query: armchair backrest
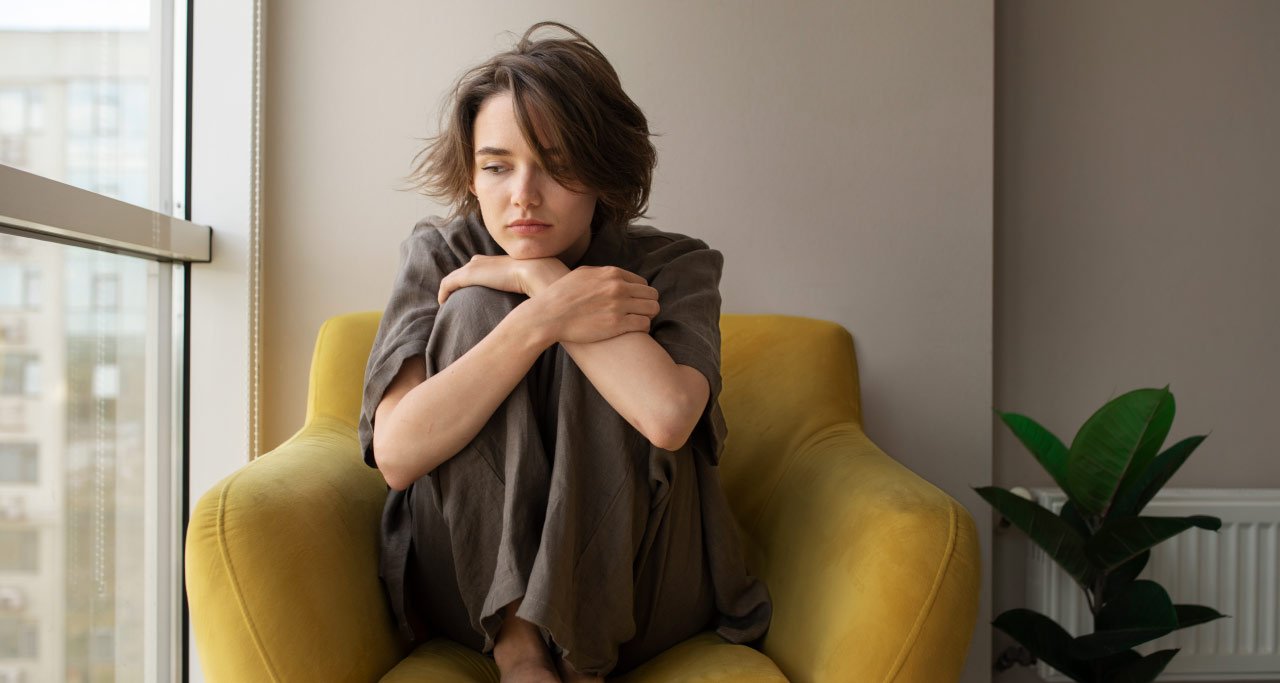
point(785, 379)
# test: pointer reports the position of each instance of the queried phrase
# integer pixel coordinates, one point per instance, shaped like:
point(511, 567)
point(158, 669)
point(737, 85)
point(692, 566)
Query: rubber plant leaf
point(1194, 615)
point(1045, 639)
point(1071, 515)
point(1140, 613)
point(1121, 576)
point(1045, 529)
point(1132, 499)
point(1115, 445)
point(1042, 443)
point(1119, 540)
point(1144, 670)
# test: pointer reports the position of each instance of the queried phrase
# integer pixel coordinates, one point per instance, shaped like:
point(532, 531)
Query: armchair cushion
point(705, 658)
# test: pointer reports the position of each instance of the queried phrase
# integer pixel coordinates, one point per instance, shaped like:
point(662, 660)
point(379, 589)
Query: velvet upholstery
point(874, 572)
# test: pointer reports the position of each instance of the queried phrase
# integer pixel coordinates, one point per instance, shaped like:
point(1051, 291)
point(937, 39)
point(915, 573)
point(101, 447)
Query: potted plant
point(1112, 469)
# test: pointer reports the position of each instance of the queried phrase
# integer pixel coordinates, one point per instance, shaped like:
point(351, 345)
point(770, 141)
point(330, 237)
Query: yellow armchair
point(873, 571)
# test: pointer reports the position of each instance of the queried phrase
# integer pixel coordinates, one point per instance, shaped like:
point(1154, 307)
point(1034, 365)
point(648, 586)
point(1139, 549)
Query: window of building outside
point(19, 464)
point(92, 94)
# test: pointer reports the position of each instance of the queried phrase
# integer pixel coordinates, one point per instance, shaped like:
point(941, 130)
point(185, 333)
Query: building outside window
point(19, 464)
point(89, 474)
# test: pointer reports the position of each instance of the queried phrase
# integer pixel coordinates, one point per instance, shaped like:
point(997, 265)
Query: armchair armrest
point(874, 572)
point(282, 566)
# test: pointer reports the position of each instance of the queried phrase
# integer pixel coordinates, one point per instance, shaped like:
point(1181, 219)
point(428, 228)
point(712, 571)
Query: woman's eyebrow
point(500, 152)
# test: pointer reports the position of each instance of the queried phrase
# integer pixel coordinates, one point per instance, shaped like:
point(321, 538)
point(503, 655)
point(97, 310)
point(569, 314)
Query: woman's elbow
point(673, 430)
point(395, 483)
point(388, 466)
point(389, 473)
point(666, 442)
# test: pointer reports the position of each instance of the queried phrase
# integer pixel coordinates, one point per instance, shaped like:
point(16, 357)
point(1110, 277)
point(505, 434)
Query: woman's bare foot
point(571, 676)
point(521, 655)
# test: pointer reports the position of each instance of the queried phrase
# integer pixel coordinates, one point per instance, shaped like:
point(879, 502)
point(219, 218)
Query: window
point(19, 463)
point(19, 550)
point(19, 374)
point(21, 121)
point(92, 337)
point(81, 105)
point(19, 286)
point(106, 291)
point(19, 638)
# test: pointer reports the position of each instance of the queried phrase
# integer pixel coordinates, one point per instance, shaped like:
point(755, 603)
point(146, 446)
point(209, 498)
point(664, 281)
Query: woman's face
point(527, 212)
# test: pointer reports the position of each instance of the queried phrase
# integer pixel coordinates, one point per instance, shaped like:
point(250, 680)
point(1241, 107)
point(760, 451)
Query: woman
point(541, 396)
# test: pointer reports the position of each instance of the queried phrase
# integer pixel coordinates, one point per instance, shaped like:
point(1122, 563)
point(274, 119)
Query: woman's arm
point(659, 398)
point(421, 422)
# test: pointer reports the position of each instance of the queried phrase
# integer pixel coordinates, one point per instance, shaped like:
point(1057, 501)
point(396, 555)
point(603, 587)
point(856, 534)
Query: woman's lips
point(528, 228)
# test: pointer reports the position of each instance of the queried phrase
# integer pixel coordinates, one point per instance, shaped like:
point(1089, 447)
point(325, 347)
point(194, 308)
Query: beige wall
point(1138, 169)
point(838, 153)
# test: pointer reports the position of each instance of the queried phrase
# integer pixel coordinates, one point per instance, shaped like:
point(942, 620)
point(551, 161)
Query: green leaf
point(1071, 515)
point(1131, 499)
point(1115, 445)
point(1141, 613)
point(1143, 604)
point(1045, 529)
point(1143, 670)
point(1045, 639)
point(1114, 662)
point(1194, 615)
point(1047, 448)
point(1119, 540)
point(1122, 576)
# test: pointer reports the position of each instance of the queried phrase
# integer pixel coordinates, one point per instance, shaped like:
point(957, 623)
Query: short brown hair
point(569, 85)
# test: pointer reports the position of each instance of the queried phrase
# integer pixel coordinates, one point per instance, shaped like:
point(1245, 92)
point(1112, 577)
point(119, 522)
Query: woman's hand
point(521, 276)
point(593, 303)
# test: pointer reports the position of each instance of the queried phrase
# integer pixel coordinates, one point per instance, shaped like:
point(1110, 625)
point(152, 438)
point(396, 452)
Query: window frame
point(35, 207)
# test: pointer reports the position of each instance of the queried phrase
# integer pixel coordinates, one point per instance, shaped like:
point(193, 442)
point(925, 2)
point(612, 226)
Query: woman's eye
point(493, 169)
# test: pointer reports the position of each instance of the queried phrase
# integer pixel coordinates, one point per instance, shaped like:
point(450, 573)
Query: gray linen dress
point(620, 549)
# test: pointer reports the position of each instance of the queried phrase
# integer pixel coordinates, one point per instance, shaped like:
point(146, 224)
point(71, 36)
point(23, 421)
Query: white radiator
point(1235, 570)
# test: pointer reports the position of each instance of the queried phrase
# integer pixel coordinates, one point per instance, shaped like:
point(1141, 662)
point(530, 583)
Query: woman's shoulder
point(462, 236)
point(660, 249)
point(649, 236)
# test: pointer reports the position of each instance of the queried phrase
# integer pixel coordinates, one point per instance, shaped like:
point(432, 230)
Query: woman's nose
point(526, 192)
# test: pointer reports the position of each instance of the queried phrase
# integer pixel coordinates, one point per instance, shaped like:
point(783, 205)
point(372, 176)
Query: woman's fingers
point(645, 307)
point(600, 302)
point(445, 290)
point(641, 291)
point(626, 275)
point(606, 273)
point(637, 323)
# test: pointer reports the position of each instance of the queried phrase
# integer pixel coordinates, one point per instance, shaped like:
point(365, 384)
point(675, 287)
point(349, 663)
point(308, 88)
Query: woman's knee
point(470, 314)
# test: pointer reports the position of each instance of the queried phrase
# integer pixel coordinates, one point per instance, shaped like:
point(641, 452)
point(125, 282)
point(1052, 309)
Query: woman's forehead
point(497, 129)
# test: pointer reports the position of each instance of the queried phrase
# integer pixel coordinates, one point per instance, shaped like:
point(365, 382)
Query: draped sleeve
point(687, 326)
point(426, 256)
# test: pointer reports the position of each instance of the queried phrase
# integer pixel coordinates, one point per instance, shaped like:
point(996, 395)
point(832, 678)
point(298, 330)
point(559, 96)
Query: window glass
point(80, 97)
point(19, 548)
point(78, 393)
point(19, 464)
point(90, 472)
